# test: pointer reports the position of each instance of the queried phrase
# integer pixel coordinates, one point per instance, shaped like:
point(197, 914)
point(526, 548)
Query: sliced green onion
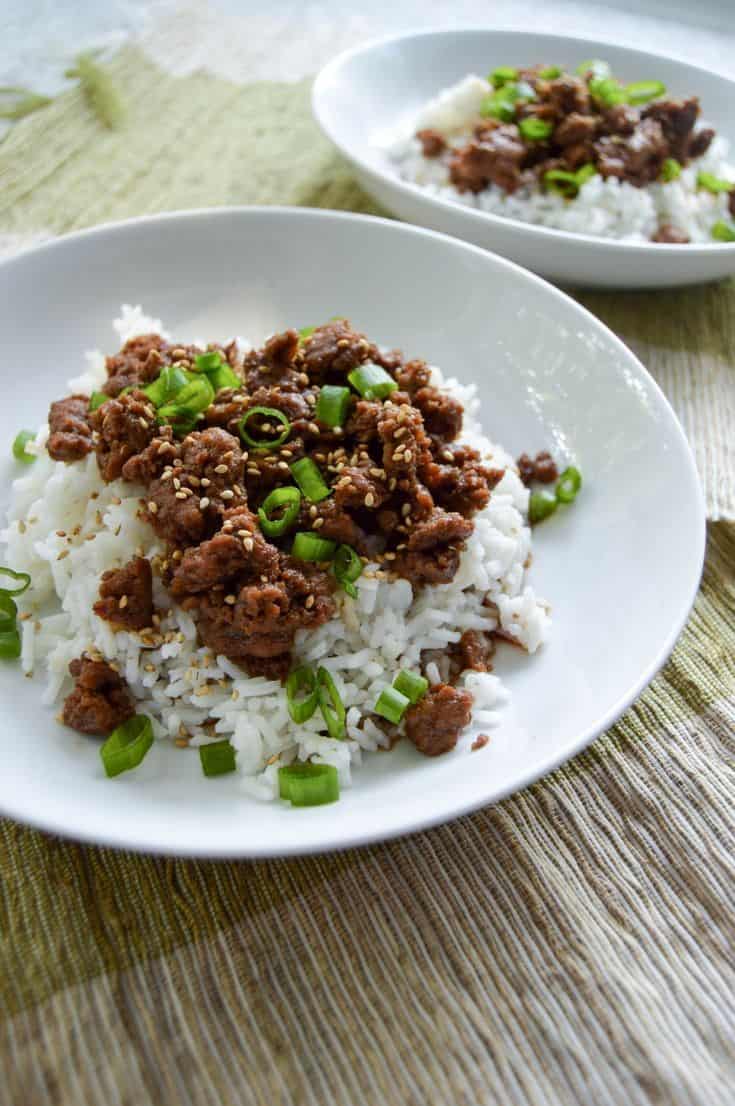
point(305, 332)
point(670, 170)
point(21, 440)
point(392, 705)
point(372, 381)
point(550, 73)
point(502, 75)
point(522, 91)
point(23, 578)
point(535, 130)
point(607, 91)
point(267, 413)
point(347, 568)
point(494, 107)
point(217, 759)
point(411, 684)
point(568, 184)
point(309, 479)
point(310, 547)
point(541, 505)
point(596, 67)
point(712, 183)
point(169, 383)
point(723, 231)
point(301, 679)
point(332, 405)
point(127, 745)
point(640, 92)
point(207, 363)
point(569, 484)
point(308, 784)
point(330, 703)
point(220, 373)
point(97, 399)
point(188, 404)
point(8, 612)
point(10, 647)
point(288, 498)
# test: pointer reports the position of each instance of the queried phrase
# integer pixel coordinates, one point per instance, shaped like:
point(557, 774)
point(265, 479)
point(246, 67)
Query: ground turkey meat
point(432, 142)
point(70, 436)
point(100, 700)
point(475, 651)
point(334, 350)
point(125, 426)
point(434, 547)
point(126, 595)
point(670, 235)
point(436, 721)
point(494, 159)
point(139, 362)
point(442, 414)
point(541, 468)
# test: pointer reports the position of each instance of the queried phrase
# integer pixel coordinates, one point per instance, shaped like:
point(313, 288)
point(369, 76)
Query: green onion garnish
point(21, 440)
point(308, 784)
point(332, 405)
point(218, 758)
point(502, 75)
point(330, 703)
point(207, 363)
point(302, 679)
point(309, 479)
point(220, 374)
point(347, 568)
point(23, 578)
point(495, 107)
point(10, 644)
point(411, 684)
point(640, 92)
point(392, 704)
point(535, 130)
point(309, 547)
point(8, 612)
point(607, 91)
point(372, 381)
point(288, 499)
point(550, 73)
point(723, 231)
point(541, 505)
point(596, 67)
point(170, 381)
point(97, 399)
point(568, 184)
point(305, 332)
point(271, 414)
point(127, 745)
point(712, 183)
point(188, 404)
point(670, 170)
point(569, 484)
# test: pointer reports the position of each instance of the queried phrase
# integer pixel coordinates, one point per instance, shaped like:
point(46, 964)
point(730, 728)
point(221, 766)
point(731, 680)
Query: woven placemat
point(570, 945)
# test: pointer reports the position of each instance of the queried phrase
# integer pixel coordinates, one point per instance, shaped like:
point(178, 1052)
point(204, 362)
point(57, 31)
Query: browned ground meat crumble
point(623, 141)
point(403, 494)
point(541, 468)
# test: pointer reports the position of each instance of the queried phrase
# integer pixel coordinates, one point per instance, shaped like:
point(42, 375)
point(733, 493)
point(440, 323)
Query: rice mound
point(607, 208)
point(66, 527)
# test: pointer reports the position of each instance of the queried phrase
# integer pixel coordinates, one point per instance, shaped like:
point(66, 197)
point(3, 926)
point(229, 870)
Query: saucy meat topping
point(100, 700)
point(393, 486)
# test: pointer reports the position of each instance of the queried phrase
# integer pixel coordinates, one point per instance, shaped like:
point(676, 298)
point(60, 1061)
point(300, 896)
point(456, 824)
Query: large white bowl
point(362, 96)
point(621, 567)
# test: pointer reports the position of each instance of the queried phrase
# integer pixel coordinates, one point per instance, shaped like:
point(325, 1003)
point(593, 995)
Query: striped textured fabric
point(573, 944)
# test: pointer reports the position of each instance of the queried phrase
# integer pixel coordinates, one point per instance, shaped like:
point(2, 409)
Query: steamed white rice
point(66, 527)
point(608, 208)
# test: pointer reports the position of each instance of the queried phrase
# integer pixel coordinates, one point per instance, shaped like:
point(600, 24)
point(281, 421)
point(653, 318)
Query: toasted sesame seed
point(312, 427)
point(287, 453)
point(205, 482)
point(142, 422)
point(220, 469)
point(122, 602)
point(369, 500)
point(248, 544)
point(317, 523)
point(343, 343)
point(64, 553)
point(203, 503)
point(177, 483)
point(407, 456)
point(230, 600)
point(181, 495)
point(309, 603)
point(399, 431)
point(228, 455)
point(313, 511)
point(406, 509)
point(177, 555)
point(227, 494)
point(447, 455)
point(243, 533)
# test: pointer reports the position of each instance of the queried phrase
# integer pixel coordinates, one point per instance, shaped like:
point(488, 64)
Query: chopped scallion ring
point(607, 91)
point(270, 414)
point(332, 405)
point(670, 170)
point(206, 363)
point(640, 92)
point(723, 231)
point(330, 704)
point(308, 784)
point(127, 745)
point(503, 75)
point(411, 684)
point(168, 384)
point(10, 647)
point(21, 440)
point(713, 184)
point(217, 759)
point(302, 679)
point(541, 505)
point(8, 612)
point(220, 374)
point(372, 381)
point(97, 399)
point(288, 499)
point(308, 477)
point(392, 705)
point(535, 130)
point(23, 578)
point(498, 107)
point(347, 568)
point(189, 404)
point(310, 547)
point(596, 67)
point(569, 484)
point(550, 73)
point(568, 184)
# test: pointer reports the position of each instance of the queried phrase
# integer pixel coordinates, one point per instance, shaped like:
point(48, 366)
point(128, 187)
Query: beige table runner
point(573, 944)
